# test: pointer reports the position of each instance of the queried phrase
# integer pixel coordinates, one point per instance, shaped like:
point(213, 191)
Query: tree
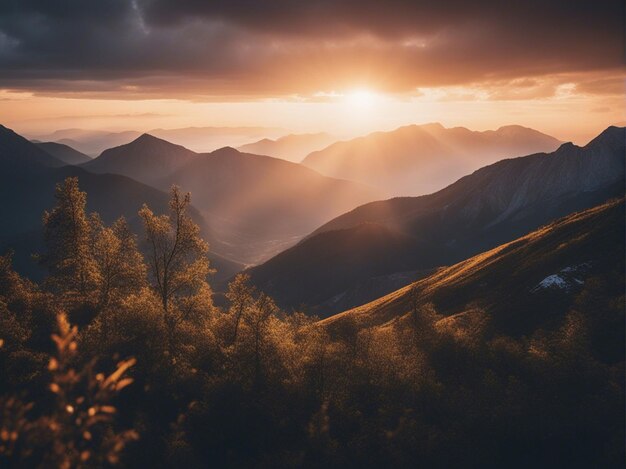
point(89, 263)
point(241, 295)
point(176, 254)
point(257, 319)
point(67, 233)
point(121, 270)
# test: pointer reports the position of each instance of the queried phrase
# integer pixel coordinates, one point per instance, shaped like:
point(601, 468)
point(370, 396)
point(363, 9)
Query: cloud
point(607, 85)
point(245, 49)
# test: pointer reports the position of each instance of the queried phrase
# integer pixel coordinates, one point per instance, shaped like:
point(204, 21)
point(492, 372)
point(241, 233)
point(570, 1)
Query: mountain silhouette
point(489, 207)
point(259, 205)
point(18, 154)
point(64, 153)
point(146, 159)
point(292, 148)
point(28, 176)
point(517, 287)
point(420, 159)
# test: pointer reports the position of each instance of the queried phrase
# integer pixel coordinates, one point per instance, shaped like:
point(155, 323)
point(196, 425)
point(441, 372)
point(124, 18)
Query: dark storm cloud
point(278, 47)
point(389, 17)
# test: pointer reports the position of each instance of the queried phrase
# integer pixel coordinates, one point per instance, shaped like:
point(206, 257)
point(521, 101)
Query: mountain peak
point(147, 159)
point(432, 126)
point(611, 131)
point(612, 136)
point(148, 142)
point(147, 138)
point(567, 146)
point(226, 151)
point(515, 129)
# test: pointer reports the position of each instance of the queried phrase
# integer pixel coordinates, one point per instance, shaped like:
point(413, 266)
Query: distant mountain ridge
point(419, 159)
point(259, 205)
point(489, 207)
point(147, 159)
point(293, 147)
point(28, 176)
point(64, 153)
point(201, 139)
point(255, 206)
point(508, 185)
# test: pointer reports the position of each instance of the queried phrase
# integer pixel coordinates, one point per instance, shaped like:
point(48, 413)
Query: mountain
point(17, 153)
point(27, 183)
point(64, 153)
point(532, 331)
point(89, 142)
point(207, 139)
point(325, 267)
point(489, 207)
point(201, 139)
point(256, 206)
point(147, 159)
point(419, 159)
point(520, 286)
point(290, 147)
point(259, 205)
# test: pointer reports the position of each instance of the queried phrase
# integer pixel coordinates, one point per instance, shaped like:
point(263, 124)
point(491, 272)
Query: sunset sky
point(343, 66)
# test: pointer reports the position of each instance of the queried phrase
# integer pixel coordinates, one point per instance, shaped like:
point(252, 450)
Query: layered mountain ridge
point(419, 159)
point(28, 176)
point(489, 207)
point(293, 147)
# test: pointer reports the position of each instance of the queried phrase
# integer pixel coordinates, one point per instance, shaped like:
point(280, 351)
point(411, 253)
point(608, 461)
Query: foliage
point(73, 272)
point(177, 260)
point(248, 385)
point(75, 429)
point(90, 265)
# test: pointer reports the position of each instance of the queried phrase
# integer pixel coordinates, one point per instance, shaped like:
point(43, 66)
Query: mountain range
point(259, 205)
point(28, 176)
point(63, 153)
point(252, 207)
point(201, 139)
point(419, 159)
point(255, 205)
point(89, 142)
point(410, 235)
point(292, 148)
point(518, 287)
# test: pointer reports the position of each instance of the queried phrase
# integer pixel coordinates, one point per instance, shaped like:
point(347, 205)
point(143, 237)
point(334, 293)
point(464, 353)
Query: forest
point(121, 357)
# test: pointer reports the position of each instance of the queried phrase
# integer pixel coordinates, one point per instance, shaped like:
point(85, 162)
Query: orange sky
point(344, 66)
point(566, 112)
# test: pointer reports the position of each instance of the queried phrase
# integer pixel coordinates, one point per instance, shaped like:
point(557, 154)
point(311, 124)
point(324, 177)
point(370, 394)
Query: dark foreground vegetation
point(121, 357)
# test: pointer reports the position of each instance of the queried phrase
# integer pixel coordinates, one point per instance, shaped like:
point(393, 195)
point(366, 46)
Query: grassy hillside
point(506, 282)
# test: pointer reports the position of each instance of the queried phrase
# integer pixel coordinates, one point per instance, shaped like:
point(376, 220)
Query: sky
point(343, 66)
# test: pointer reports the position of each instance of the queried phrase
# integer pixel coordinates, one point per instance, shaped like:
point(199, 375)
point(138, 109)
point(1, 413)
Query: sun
point(361, 98)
